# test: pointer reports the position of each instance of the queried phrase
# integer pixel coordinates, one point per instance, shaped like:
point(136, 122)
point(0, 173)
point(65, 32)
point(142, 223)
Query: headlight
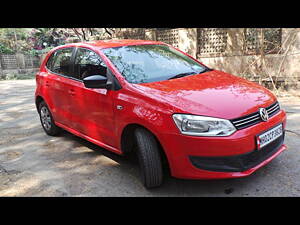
point(203, 126)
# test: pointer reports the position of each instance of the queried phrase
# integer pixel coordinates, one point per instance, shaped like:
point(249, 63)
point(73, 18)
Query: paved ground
point(34, 164)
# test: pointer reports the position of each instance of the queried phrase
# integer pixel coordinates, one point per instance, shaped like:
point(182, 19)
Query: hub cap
point(45, 117)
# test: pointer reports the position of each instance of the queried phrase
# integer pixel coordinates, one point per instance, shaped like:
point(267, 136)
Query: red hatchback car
point(171, 110)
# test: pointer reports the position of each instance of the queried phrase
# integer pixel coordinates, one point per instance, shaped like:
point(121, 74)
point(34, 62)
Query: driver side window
point(88, 63)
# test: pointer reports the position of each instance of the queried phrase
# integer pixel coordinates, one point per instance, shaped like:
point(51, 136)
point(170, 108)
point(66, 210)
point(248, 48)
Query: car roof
point(113, 43)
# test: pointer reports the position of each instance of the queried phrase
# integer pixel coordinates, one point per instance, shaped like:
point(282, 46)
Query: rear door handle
point(72, 92)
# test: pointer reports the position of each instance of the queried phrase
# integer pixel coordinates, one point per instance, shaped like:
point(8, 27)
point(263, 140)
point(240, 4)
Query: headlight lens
point(203, 126)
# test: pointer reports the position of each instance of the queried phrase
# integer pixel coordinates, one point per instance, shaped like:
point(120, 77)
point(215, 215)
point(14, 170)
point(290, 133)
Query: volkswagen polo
point(153, 100)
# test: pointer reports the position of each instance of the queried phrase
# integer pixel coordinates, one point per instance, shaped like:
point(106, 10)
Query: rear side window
point(60, 61)
point(88, 63)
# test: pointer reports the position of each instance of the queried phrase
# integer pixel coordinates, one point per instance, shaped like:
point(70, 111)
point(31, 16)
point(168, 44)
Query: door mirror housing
point(97, 81)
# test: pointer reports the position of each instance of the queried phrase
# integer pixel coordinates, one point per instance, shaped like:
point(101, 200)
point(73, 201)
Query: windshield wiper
point(189, 73)
point(182, 75)
point(206, 70)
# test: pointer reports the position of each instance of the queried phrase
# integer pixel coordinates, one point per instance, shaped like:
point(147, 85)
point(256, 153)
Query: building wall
point(238, 64)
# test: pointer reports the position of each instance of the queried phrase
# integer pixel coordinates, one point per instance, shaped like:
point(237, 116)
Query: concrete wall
point(21, 65)
point(237, 63)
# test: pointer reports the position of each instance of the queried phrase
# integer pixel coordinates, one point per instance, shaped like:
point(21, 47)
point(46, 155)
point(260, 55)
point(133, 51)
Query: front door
point(92, 109)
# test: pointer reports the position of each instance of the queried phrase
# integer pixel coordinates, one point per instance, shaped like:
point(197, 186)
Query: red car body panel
point(215, 94)
point(92, 114)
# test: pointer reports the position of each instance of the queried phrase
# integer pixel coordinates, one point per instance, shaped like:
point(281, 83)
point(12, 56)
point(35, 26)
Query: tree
point(34, 40)
point(14, 39)
point(88, 34)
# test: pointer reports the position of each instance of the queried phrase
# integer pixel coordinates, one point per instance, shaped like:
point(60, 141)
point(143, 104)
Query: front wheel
point(47, 120)
point(149, 158)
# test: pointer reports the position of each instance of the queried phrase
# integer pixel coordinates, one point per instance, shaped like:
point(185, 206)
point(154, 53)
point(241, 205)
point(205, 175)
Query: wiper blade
point(189, 73)
point(182, 75)
point(206, 70)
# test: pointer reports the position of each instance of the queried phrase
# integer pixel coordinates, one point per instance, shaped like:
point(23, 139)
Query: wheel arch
point(38, 100)
point(128, 142)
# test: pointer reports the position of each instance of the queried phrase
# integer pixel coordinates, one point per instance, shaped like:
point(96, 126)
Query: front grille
point(238, 163)
point(254, 118)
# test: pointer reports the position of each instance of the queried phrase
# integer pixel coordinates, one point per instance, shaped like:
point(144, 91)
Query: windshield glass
point(150, 63)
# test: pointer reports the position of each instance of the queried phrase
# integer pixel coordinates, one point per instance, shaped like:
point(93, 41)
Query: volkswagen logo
point(263, 114)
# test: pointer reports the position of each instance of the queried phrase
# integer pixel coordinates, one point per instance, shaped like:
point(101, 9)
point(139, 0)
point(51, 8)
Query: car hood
point(214, 93)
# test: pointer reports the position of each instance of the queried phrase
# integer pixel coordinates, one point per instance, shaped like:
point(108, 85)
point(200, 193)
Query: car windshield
point(150, 63)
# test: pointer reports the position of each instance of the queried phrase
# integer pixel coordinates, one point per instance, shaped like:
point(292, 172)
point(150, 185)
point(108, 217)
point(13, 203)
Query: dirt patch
point(10, 155)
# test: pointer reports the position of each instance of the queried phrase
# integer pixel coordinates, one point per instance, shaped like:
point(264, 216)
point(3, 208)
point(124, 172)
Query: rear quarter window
point(50, 61)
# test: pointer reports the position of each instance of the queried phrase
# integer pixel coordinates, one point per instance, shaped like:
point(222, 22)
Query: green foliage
point(28, 40)
point(14, 39)
point(42, 38)
point(36, 52)
point(5, 50)
point(14, 76)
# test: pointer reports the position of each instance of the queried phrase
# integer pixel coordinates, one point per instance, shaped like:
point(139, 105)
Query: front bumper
point(221, 157)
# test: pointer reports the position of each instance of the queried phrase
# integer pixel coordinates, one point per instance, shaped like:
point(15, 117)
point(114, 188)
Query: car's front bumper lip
point(237, 163)
point(252, 170)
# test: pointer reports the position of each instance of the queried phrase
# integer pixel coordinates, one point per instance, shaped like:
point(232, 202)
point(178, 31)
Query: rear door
point(59, 85)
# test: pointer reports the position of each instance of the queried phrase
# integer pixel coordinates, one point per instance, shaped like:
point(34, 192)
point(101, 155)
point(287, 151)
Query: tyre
point(149, 158)
point(47, 120)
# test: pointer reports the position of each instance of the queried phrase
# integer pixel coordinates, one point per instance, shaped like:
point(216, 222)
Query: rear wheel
point(47, 120)
point(149, 158)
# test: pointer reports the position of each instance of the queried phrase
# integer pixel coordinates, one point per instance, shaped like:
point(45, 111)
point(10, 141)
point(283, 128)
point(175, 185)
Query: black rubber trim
point(238, 163)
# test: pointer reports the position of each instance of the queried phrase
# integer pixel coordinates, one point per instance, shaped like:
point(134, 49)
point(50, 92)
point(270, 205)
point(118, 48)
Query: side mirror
point(97, 81)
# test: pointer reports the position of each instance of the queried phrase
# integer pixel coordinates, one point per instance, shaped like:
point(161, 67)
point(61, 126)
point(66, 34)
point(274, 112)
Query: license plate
point(269, 136)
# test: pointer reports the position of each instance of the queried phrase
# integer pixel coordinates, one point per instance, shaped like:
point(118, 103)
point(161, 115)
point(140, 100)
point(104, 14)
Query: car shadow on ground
point(173, 186)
